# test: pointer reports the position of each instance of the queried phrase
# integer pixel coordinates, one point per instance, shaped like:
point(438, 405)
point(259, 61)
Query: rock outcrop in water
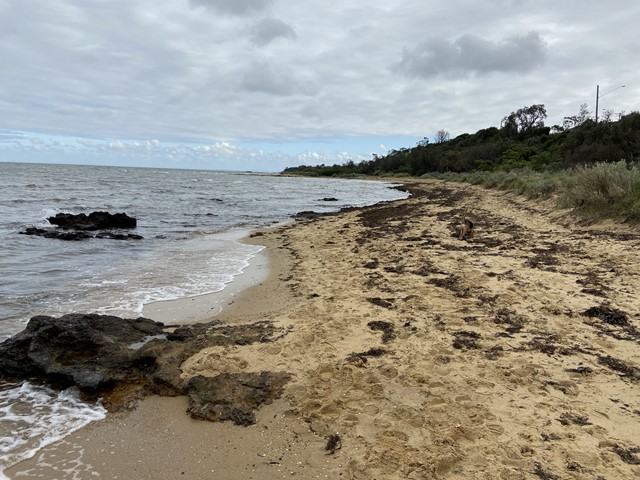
point(121, 360)
point(93, 221)
point(77, 227)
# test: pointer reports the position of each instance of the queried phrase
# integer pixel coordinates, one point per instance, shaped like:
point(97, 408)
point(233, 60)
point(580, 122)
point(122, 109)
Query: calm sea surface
point(191, 222)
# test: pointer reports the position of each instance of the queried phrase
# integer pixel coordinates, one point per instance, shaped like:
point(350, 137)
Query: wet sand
point(513, 355)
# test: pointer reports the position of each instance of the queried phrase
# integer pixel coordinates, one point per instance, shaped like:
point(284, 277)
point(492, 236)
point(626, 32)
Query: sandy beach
point(511, 355)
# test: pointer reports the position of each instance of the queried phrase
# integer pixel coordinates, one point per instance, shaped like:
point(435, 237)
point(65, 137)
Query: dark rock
point(52, 233)
point(121, 360)
point(306, 215)
point(76, 227)
point(94, 221)
point(90, 351)
point(209, 397)
point(328, 199)
point(119, 236)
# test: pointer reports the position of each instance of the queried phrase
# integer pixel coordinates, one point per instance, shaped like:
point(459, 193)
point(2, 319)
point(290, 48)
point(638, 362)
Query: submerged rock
point(53, 233)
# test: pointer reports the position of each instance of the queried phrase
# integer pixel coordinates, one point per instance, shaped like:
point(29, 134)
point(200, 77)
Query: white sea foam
point(32, 417)
point(201, 266)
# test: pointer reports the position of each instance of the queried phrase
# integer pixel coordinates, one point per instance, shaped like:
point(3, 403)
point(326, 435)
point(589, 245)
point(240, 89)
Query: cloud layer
point(469, 54)
point(209, 71)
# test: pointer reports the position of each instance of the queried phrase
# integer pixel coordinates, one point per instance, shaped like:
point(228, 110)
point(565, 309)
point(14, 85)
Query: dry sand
point(513, 355)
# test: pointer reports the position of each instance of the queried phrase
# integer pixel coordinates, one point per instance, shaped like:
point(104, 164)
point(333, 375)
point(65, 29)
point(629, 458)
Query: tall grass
point(605, 190)
point(523, 181)
point(597, 191)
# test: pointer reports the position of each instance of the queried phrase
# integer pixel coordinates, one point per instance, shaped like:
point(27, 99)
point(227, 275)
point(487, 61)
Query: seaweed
point(514, 321)
point(466, 340)
point(544, 474)
point(334, 442)
point(381, 302)
point(361, 357)
point(574, 467)
point(494, 352)
point(386, 328)
point(619, 366)
point(548, 344)
point(628, 455)
point(568, 418)
point(608, 315)
point(581, 370)
point(615, 318)
point(452, 283)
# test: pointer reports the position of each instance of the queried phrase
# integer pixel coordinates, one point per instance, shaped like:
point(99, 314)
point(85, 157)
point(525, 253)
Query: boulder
point(209, 396)
point(92, 352)
point(77, 227)
point(121, 360)
point(93, 221)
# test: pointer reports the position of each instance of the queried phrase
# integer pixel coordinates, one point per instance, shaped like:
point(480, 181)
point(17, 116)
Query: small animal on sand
point(466, 229)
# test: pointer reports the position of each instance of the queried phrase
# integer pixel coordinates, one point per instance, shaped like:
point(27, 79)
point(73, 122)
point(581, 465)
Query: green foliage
point(524, 121)
point(522, 156)
point(605, 190)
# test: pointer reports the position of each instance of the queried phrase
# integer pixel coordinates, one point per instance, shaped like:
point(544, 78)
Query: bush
point(605, 190)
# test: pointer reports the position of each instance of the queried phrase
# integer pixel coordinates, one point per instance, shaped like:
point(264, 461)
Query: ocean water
point(192, 223)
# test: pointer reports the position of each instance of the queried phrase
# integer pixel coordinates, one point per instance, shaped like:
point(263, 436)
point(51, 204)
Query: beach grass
point(597, 191)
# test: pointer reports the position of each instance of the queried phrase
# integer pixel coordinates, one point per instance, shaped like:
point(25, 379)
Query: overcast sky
point(264, 84)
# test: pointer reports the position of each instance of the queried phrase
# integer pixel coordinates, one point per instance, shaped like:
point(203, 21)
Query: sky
point(265, 84)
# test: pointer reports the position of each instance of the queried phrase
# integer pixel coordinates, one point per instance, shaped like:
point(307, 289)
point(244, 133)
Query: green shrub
point(605, 190)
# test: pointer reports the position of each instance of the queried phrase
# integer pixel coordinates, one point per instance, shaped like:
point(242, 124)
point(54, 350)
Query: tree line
point(521, 141)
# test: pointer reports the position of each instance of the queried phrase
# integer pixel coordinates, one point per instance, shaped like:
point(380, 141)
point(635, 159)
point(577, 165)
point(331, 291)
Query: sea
point(192, 223)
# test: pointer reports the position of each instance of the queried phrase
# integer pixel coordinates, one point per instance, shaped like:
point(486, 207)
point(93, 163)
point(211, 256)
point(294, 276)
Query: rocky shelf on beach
point(122, 360)
point(68, 226)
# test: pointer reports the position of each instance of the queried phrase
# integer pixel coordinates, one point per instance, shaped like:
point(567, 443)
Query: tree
point(524, 120)
point(607, 116)
point(442, 136)
point(575, 120)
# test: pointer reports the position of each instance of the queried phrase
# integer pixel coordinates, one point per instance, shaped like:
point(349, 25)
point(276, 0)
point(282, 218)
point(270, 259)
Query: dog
point(466, 229)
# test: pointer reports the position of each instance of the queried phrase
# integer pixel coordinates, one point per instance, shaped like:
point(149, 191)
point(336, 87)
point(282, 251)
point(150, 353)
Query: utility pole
point(597, 98)
point(607, 93)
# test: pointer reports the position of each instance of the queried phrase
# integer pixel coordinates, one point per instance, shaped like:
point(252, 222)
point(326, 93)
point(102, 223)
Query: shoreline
point(279, 445)
point(201, 308)
point(431, 357)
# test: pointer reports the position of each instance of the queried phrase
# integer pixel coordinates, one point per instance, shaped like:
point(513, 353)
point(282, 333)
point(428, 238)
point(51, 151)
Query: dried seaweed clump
point(544, 474)
point(466, 340)
point(628, 455)
point(608, 315)
point(362, 357)
point(568, 418)
point(334, 442)
point(386, 328)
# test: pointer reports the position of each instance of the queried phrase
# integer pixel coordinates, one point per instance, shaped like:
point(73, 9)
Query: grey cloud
point(470, 54)
point(233, 7)
point(264, 77)
point(270, 29)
